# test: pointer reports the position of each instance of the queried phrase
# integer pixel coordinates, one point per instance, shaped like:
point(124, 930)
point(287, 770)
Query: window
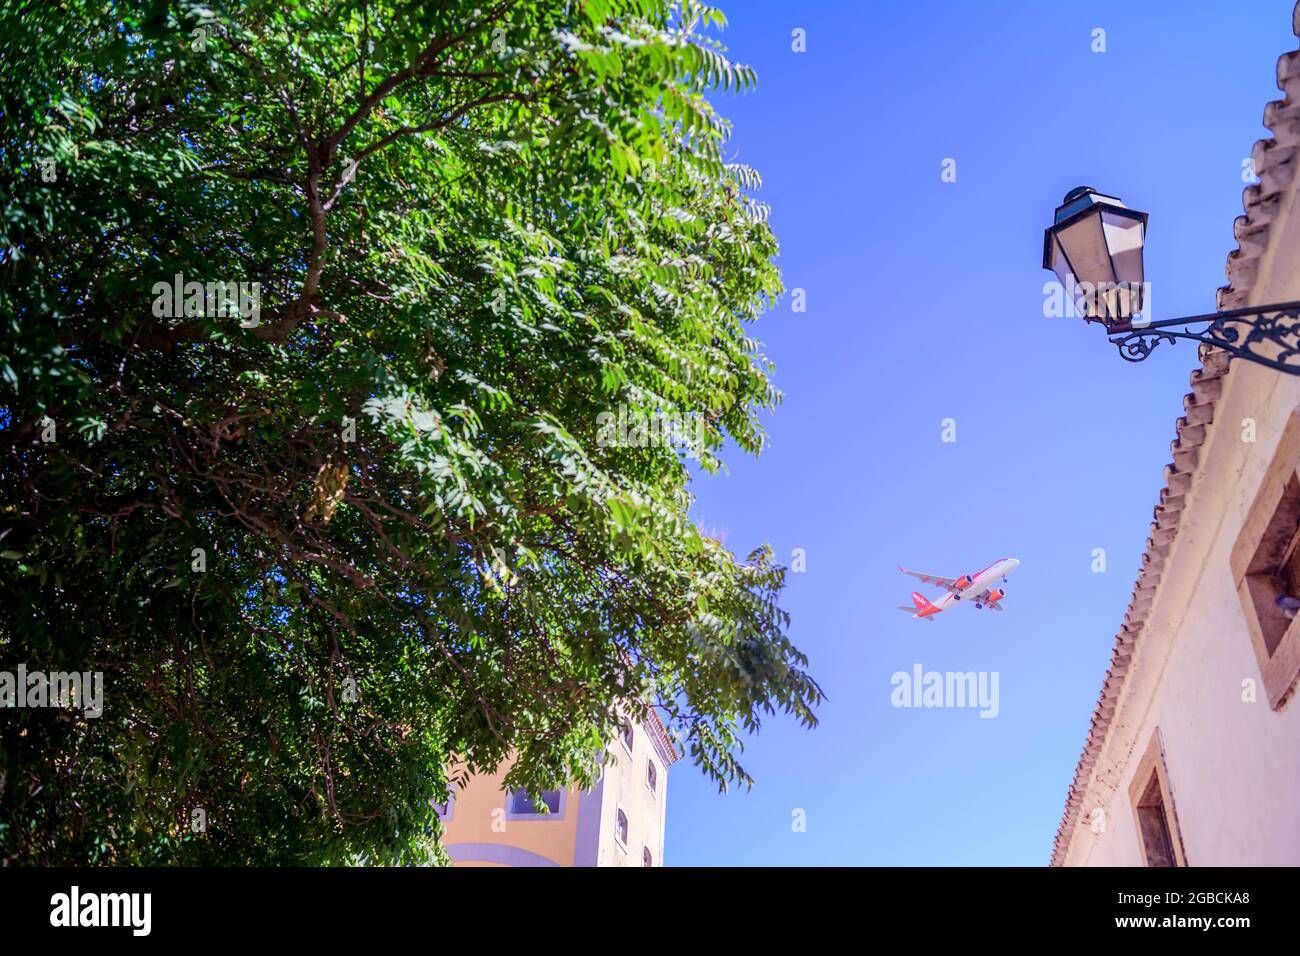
point(627, 735)
point(1265, 565)
point(646, 858)
point(620, 828)
point(1153, 825)
point(1153, 809)
point(651, 775)
point(445, 810)
point(522, 804)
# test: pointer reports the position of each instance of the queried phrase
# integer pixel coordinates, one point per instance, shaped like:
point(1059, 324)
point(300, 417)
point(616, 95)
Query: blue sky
point(925, 302)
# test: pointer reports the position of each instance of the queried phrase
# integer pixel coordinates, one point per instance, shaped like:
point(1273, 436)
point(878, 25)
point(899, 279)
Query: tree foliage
point(323, 557)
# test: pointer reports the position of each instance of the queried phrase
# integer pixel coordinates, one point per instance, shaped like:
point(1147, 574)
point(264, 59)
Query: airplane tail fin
point(921, 603)
point(914, 612)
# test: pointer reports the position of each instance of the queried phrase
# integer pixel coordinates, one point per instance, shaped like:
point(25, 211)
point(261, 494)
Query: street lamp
point(1094, 246)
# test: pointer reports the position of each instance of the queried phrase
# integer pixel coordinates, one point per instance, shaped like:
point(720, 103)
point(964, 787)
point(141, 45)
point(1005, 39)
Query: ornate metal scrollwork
point(1136, 346)
point(1239, 332)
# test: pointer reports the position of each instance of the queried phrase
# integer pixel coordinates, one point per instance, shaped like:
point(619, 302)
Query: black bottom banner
point(334, 905)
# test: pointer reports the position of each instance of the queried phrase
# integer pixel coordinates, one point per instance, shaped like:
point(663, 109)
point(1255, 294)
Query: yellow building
point(618, 822)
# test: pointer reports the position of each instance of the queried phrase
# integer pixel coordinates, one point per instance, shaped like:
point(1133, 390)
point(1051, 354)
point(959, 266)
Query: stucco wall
point(479, 831)
point(479, 821)
point(625, 787)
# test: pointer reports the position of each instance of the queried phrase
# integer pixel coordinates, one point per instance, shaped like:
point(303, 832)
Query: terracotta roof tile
point(659, 737)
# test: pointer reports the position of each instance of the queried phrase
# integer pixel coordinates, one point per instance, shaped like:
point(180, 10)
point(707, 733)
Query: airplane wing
point(931, 578)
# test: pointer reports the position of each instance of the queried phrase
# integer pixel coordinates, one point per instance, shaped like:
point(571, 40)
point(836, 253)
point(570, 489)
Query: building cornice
point(654, 728)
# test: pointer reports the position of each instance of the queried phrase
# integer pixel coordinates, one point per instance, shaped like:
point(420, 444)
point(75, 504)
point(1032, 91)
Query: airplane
point(969, 587)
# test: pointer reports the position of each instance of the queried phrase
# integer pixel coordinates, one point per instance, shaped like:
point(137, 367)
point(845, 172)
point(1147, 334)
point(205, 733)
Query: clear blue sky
point(924, 302)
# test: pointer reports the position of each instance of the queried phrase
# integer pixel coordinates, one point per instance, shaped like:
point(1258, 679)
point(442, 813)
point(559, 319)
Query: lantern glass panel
point(1084, 241)
point(1124, 238)
point(1057, 262)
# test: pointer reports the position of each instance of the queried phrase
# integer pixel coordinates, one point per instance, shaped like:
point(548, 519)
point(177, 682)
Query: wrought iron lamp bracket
point(1239, 332)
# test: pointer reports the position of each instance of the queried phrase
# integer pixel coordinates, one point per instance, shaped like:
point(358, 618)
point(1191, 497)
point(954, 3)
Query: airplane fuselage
point(978, 584)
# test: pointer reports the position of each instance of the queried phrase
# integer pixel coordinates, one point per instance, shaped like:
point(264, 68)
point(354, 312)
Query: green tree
point(372, 523)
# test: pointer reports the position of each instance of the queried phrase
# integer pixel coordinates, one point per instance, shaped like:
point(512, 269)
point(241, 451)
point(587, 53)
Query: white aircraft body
point(974, 589)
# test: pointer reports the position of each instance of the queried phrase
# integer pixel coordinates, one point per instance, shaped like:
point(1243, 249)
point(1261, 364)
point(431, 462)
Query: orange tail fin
point(921, 603)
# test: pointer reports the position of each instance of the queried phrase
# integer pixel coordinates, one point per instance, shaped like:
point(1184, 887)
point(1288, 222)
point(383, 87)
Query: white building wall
point(625, 787)
point(1233, 767)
